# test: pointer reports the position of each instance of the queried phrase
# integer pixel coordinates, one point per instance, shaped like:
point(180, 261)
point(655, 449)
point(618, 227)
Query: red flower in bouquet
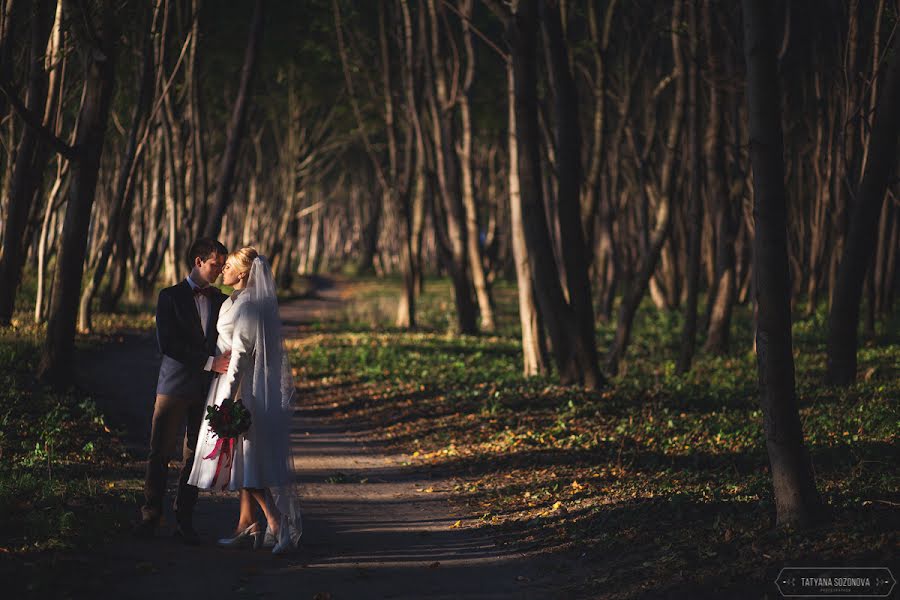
point(228, 421)
point(231, 419)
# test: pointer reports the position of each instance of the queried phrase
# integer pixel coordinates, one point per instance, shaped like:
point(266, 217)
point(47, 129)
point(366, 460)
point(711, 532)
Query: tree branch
point(478, 32)
point(34, 121)
point(496, 7)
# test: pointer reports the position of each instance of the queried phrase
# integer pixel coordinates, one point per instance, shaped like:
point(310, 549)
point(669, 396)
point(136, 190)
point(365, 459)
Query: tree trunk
point(695, 209)
point(464, 150)
point(843, 319)
point(27, 173)
point(57, 355)
point(448, 180)
point(120, 207)
point(370, 231)
point(533, 355)
point(797, 501)
point(554, 309)
point(236, 125)
point(568, 148)
point(43, 250)
point(411, 244)
point(724, 288)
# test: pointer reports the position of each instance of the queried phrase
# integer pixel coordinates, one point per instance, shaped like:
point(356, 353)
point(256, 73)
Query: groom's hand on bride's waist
point(220, 362)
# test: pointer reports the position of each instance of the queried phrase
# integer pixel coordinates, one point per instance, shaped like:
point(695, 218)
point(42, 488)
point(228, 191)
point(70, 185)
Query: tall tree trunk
point(533, 351)
point(568, 148)
point(57, 354)
point(120, 206)
point(236, 126)
point(411, 220)
point(554, 310)
point(9, 23)
point(797, 501)
point(695, 209)
point(724, 288)
point(464, 150)
point(447, 170)
point(843, 319)
point(27, 172)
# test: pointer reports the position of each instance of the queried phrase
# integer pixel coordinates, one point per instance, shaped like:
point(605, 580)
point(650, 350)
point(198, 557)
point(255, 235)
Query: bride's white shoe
point(269, 538)
point(283, 541)
point(251, 536)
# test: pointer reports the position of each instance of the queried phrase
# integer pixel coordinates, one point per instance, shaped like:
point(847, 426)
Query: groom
point(186, 315)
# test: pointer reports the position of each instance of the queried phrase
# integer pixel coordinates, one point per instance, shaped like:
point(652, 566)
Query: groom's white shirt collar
point(194, 285)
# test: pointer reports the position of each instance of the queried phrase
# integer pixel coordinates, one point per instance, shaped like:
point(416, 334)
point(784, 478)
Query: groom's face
point(210, 268)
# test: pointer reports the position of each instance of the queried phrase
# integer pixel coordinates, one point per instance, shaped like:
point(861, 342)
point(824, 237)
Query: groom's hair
point(205, 248)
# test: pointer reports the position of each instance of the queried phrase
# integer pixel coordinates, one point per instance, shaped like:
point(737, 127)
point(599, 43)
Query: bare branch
point(478, 32)
point(34, 121)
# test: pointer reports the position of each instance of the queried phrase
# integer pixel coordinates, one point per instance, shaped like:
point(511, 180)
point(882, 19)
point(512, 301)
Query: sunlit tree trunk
point(448, 179)
point(464, 150)
point(56, 360)
point(120, 207)
point(533, 351)
point(413, 204)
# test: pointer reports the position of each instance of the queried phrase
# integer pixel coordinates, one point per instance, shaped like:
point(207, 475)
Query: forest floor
point(375, 525)
point(430, 468)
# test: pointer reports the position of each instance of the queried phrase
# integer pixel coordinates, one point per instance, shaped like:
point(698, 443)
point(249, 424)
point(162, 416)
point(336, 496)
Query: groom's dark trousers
point(180, 394)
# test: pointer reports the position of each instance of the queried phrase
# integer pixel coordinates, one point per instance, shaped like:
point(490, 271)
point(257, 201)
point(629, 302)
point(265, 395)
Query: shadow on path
point(371, 528)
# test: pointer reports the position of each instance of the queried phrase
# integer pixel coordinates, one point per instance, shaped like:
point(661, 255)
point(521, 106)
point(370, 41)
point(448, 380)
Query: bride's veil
point(273, 388)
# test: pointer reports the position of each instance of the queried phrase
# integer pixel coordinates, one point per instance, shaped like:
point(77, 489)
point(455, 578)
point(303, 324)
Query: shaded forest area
point(694, 155)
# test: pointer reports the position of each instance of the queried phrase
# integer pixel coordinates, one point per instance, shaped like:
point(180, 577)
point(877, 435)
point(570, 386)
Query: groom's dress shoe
point(186, 533)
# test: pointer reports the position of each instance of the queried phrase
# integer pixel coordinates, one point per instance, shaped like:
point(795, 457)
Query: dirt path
point(369, 530)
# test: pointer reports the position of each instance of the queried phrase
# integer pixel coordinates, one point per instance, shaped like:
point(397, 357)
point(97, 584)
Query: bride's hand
point(220, 363)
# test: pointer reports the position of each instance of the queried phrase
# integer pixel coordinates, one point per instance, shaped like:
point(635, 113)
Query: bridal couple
point(214, 348)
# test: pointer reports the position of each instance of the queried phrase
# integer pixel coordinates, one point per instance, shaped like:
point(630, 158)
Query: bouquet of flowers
point(231, 419)
point(228, 421)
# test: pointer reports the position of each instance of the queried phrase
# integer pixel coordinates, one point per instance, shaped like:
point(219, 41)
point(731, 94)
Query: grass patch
point(60, 464)
point(661, 480)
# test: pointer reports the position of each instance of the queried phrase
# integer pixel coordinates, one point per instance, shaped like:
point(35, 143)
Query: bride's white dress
point(259, 461)
point(259, 374)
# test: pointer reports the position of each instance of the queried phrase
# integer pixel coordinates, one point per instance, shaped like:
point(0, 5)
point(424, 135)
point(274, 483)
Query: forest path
point(370, 529)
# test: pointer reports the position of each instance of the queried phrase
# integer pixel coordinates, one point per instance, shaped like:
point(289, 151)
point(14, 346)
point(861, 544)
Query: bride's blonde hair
point(242, 259)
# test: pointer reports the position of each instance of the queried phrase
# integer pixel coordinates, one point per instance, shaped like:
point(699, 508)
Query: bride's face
point(230, 274)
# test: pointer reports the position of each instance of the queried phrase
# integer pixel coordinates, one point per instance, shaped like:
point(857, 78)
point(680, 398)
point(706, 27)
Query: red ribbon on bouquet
point(224, 451)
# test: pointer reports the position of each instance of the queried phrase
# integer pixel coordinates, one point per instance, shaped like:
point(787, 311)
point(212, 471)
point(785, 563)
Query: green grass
point(660, 480)
point(662, 469)
point(60, 465)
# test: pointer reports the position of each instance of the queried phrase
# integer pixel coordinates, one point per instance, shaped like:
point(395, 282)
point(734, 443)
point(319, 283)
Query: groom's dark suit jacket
point(183, 343)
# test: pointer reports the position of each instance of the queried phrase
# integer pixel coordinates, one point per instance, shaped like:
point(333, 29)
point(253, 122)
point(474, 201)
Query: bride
point(259, 375)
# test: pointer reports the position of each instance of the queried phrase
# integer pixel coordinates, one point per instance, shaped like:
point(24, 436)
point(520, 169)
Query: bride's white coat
point(258, 460)
point(260, 376)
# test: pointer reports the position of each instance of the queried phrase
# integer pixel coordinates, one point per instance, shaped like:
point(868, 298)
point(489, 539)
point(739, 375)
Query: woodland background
point(604, 163)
